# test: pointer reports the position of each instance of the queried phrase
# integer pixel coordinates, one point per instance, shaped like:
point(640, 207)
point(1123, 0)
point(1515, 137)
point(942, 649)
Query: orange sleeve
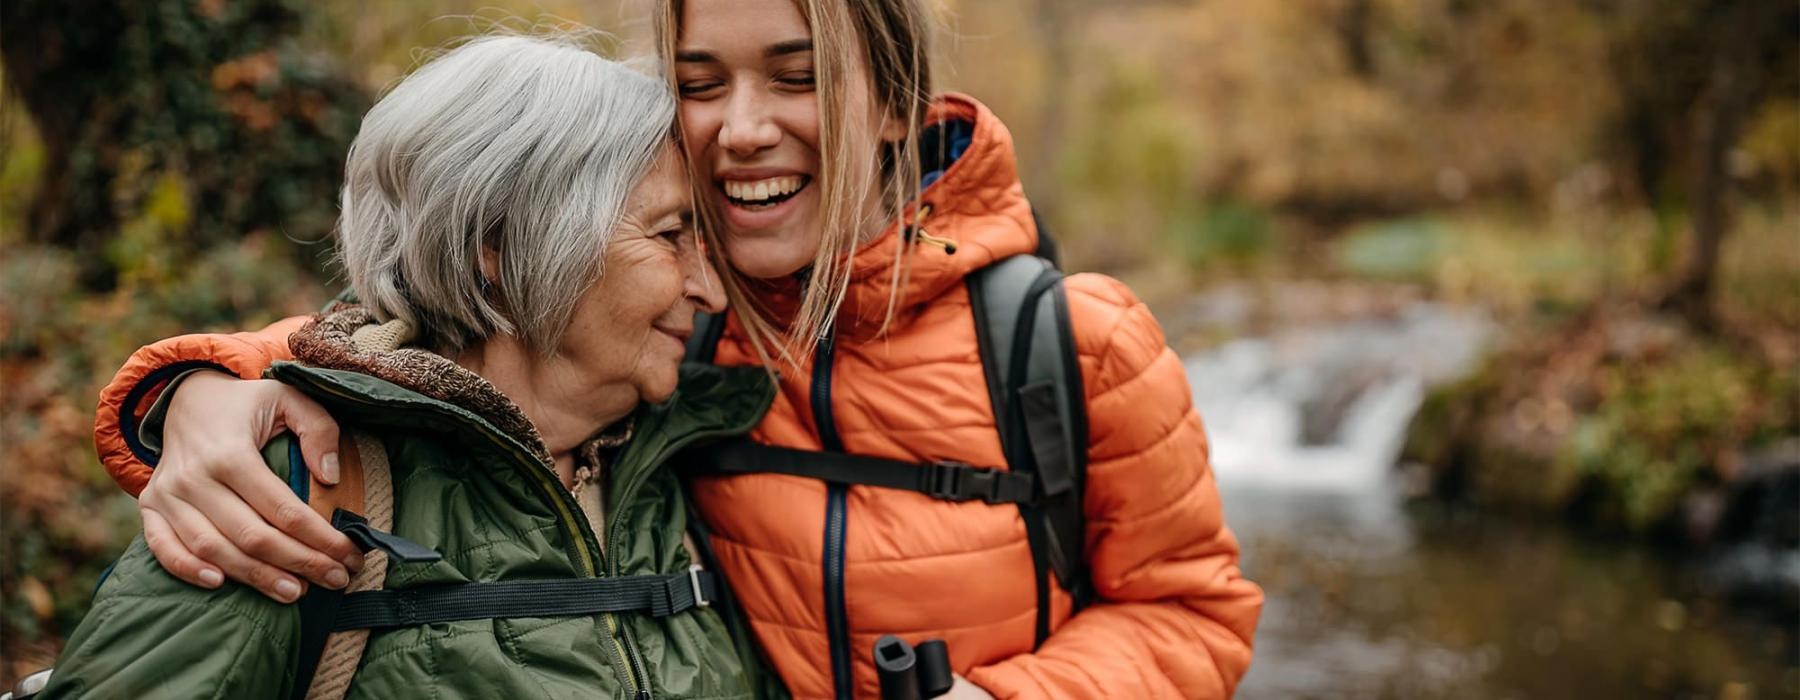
point(134, 389)
point(1173, 617)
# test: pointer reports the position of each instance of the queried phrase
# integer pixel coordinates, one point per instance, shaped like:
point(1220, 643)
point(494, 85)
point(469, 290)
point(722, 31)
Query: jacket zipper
point(836, 506)
point(614, 530)
point(583, 551)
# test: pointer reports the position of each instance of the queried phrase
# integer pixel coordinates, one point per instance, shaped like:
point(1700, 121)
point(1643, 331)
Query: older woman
point(517, 226)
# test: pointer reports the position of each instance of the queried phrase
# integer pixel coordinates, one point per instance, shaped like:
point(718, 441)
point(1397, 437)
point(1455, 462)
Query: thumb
point(316, 430)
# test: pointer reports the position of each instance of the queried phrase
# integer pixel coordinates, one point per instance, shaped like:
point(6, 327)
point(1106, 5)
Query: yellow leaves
point(37, 596)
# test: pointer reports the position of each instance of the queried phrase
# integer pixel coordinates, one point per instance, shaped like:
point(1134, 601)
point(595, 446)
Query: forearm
point(127, 398)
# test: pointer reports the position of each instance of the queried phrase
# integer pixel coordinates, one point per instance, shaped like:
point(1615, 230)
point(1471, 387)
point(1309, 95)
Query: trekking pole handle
point(894, 661)
point(912, 673)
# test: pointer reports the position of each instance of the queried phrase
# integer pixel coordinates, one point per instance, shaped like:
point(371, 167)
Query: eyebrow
point(788, 47)
point(791, 46)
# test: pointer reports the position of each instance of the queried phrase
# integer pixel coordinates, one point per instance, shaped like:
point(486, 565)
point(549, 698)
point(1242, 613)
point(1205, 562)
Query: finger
point(174, 556)
point(201, 537)
point(308, 545)
point(260, 539)
point(317, 432)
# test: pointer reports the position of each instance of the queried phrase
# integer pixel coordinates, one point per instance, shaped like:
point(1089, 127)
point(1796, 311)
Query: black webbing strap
point(319, 607)
point(661, 596)
point(1037, 528)
point(943, 480)
point(317, 610)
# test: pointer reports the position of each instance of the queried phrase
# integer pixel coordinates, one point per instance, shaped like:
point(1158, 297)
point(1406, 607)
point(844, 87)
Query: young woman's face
point(750, 120)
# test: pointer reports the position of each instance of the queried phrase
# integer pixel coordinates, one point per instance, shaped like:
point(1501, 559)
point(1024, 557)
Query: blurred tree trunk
point(199, 118)
point(1053, 106)
point(1355, 23)
point(51, 77)
point(1748, 39)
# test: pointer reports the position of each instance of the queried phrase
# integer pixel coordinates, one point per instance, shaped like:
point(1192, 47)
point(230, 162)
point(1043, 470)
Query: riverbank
point(1380, 584)
point(1582, 399)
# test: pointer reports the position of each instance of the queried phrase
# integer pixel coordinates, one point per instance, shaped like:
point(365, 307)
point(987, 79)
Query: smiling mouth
point(762, 194)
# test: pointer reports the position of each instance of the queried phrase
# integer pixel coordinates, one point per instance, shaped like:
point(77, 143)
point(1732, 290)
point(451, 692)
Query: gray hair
point(527, 146)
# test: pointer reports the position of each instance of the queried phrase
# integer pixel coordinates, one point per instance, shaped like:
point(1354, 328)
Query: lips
point(759, 199)
point(681, 336)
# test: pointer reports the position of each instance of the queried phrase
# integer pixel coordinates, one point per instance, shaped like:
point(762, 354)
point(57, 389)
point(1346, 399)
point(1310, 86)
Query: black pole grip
point(894, 664)
point(932, 666)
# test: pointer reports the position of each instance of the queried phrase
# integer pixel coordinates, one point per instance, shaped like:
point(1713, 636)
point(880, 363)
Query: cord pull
point(917, 233)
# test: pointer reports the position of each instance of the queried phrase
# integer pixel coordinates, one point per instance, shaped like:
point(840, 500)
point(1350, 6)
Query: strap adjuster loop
point(700, 600)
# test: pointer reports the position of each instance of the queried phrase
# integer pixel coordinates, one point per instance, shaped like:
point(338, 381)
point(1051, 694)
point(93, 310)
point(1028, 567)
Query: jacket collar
point(361, 370)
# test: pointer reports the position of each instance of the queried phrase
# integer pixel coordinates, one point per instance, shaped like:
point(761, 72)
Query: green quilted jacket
point(487, 499)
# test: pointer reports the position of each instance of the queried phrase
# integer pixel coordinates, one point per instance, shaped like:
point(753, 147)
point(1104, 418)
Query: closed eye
point(796, 80)
point(700, 89)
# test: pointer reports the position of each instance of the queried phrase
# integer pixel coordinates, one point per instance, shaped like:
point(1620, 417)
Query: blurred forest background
point(1615, 183)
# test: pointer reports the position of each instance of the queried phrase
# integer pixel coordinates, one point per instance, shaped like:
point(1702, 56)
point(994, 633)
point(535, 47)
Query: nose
point(747, 127)
point(703, 286)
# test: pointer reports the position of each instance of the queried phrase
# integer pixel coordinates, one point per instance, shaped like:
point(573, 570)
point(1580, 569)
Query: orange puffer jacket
point(1173, 616)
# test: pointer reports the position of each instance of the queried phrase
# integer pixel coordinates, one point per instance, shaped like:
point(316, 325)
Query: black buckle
point(368, 539)
point(955, 481)
point(668, 603)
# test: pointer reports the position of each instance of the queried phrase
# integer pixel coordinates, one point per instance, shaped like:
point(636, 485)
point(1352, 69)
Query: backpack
point(1034, 383)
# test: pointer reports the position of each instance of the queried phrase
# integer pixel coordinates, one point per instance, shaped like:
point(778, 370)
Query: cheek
point(800, 119)
point(699, 124)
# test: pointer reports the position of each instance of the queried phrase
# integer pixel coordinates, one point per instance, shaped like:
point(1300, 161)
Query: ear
point(893, 129)
point(489, 260)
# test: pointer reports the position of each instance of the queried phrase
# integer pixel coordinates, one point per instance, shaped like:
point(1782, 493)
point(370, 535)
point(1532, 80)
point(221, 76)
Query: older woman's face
point(635, 321)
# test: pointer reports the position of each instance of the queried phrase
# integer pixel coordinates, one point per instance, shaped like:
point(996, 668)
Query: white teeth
point(761, 190)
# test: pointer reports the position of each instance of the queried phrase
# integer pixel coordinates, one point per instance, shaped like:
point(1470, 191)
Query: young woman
point(846, 245)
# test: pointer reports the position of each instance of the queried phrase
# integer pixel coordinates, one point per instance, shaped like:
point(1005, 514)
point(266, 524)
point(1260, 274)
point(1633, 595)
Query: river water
point(1374, 591)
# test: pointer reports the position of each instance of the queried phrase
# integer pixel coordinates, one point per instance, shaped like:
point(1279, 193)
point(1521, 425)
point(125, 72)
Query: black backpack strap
point(321, 607)
point(318, 610)
point(659, 595)
point(704, 343)
point(943, 480)
point(1046, 243)
point(756, 661)
point(1034, 382)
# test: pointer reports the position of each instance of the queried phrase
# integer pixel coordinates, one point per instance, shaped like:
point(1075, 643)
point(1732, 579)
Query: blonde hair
point(890, 40)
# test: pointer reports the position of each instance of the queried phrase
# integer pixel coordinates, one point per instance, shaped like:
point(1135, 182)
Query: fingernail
point(211, 577)
point(337, 578)
point(287, 590)
point(330, 468)
point(354, 562)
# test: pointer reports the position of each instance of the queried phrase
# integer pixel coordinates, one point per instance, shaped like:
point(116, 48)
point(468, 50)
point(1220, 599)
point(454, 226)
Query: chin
point(768, 256)
point(659, 393)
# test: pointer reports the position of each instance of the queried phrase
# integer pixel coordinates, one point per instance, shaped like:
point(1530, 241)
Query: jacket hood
point(347, 354)
point(975, 201)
